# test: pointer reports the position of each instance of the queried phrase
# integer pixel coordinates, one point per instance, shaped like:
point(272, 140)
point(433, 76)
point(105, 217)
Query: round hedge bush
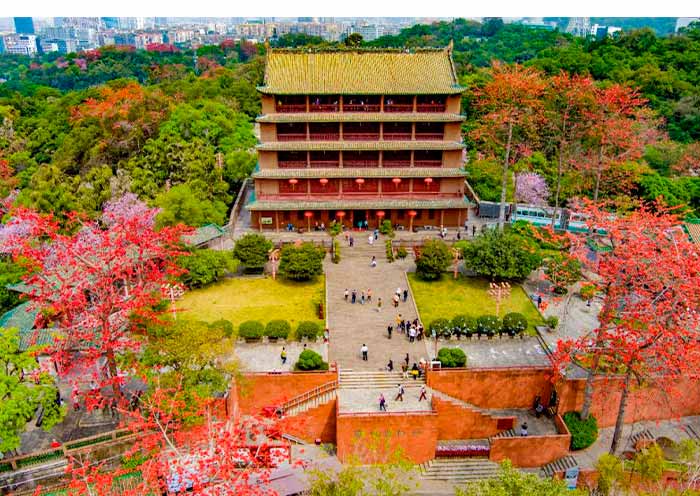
point(310, 360)
point(442, 328)
point(488, 325)
point(514, 323)
point(583, 432)
point(251, 329)
point(308, 329)
point(452, 357)
point(225, 326)
point(278, 329)
point(463, 325)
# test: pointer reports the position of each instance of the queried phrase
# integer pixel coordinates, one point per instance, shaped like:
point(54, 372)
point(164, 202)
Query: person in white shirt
point(364, 350)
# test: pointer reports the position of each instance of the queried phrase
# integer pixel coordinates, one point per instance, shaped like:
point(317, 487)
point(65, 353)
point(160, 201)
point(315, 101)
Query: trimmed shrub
point(224, 325)
point(488, 325)
point(386, 228)
point(252, 251)
point(278, 329)
point(335, 228)
point(514, 323)
point(401, 252)
point(336, 251)
point(552, 322)
point(463, 325)
point(389, 251)
point(302, 263)
point(442, 328)
point(435, 258)
point(308, 329)
point(452, 357)
point(251, 329)
point(310, 360)
point(583, 432)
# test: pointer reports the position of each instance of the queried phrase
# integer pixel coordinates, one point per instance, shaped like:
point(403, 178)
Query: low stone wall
point(458, 422)
point(258, 390)
point(532, 451)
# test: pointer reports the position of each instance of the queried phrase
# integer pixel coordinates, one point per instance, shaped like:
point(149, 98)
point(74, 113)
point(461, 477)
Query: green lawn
point(448, 298)
point(264, 299)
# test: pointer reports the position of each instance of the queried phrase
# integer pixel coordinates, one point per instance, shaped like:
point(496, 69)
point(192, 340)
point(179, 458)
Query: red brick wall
point(643, 404)
point(532, 451)
point(256, 391)
point(375, 438)
point(457, 422)
point(316, 423)
point(493, 388)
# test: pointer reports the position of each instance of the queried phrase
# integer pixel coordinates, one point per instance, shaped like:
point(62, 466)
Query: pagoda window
point(292, 188)
point(396, 158)
point(360, 159)
point(361, 103)
point(427, 158)
point(291, 131)
point(291, 160)
point(324, 103)
point(398, 103)
point(324, 131)
point(290, 103)
point(431, 103)
point(397, 131)
point(325, 159)
point(429, 131)
point(361, 131)
point(421, 186)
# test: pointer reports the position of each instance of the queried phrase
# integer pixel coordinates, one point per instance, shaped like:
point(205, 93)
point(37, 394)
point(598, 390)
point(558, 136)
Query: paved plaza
point(265, 357)
point(500, 352)
point(367, 400)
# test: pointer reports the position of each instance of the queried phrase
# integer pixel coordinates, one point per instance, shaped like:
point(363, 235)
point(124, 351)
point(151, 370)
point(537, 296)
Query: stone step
point(314, 402)
point(559, 465)
point(459, 469)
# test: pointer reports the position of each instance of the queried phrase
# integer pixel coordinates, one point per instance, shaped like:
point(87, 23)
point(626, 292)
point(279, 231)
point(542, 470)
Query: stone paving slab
point(499, 352)
point(367, 400)
point(265, 357)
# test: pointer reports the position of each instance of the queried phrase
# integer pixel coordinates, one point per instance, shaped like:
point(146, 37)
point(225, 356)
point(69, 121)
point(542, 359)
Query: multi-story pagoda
point(360, 135)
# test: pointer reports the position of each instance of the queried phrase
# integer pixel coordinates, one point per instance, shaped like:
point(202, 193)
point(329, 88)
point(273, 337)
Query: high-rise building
point(579, 26)
point(110, 22)
point(24, 25)
point(20, 44)
point(360, 136)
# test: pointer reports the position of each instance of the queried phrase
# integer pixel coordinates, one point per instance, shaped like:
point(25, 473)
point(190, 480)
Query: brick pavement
point(352, 325)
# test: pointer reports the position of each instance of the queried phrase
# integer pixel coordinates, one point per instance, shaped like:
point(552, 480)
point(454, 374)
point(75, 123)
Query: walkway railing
point(237, 206)
point(309, 395)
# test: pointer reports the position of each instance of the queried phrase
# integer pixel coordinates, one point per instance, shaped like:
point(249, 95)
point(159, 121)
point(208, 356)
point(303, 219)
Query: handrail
point(313, 393)
point(292, 164)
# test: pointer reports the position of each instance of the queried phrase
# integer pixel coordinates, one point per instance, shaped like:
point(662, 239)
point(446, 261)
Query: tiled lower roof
point(204, 234)
point(350, 204)
point(21, 317)
point(360, 172)
point(358, 145)
point(693, 231)
point(361, 117)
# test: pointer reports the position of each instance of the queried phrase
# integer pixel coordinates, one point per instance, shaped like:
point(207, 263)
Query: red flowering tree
point(649, 274)
point(96, 283)
point(511, 107)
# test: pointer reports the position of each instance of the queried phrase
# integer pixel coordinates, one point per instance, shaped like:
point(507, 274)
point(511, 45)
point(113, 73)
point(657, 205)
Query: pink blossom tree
point(531, 188)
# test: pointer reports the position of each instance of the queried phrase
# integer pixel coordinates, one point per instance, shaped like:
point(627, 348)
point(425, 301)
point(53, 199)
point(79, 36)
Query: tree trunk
point(588, 392)
point(620, 422)
point(598, 174)
point(504, 179)
point(560, 167)
point(112, 365)
point(514, 211)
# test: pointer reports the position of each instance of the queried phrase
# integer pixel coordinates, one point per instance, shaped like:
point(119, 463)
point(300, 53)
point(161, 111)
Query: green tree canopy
point(435, 258)
point(302, 263)
point(23, 389)
point(501, 256)
point(252, 250)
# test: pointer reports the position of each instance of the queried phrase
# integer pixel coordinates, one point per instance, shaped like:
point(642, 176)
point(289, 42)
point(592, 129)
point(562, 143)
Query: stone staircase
point(311, 399)
point(366, 379)
point(559, 465)
point(458, 470)
point(508, 433)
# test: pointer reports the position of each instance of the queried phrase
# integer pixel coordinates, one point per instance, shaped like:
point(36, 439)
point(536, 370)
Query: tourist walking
point(376, 234)
point(398, 320)
point(390, 365)
point(473, 230)
point(395, 299)
point(364, 350)
point(523, 429)
point(373, 263)
point(369, 295)
point(362, 298)
point(407, 360)
point(346, 294)
point(389, 328)
point(371, 239)
point(283, 355)
point(399, 393)
point(405, 295)
point(411, 334)
point(354, 296)
point(379, 304)
point(422, 394)
point(352, 241)
point(415, 371)
point(404, 370)
point(382, 403)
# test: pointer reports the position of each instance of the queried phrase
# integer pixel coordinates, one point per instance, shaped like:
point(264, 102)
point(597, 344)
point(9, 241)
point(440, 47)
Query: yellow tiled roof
point(365, 72)
point(362, 117)
point(358, 145)
point(693, 231)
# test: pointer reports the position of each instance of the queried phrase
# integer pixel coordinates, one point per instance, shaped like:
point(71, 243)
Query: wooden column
point(381, 131)
point(415, 103)
point(340, 130)
point(340, 159)
point(459, 218)
point(442, 218)
point(413, 131)
point(308, 188)
point(381, 162)
point(308, 132)
point(307, 104)
point(308, 160)
point(260, 221)
point(340, 105)
point(412, 157)
point(381, 103)
point(277, 221)
point(380, 179)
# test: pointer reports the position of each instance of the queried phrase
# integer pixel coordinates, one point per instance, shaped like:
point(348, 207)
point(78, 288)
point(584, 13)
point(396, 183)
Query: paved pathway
point(265, 357)
point(501, 352)
point(352, 325)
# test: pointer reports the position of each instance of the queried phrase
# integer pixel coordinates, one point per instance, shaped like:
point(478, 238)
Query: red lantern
point(359, 180)
point(308, 214)
point(380, 214)
point(412, 213)
point(428, 180)
point(323, 181)
point(293, 181)
point(340, 214)
point(396, 181)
